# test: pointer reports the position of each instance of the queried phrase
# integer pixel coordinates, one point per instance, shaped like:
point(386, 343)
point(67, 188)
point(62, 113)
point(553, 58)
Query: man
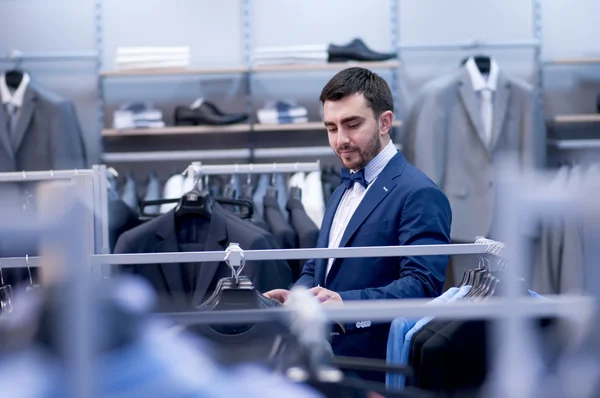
point(383, 201)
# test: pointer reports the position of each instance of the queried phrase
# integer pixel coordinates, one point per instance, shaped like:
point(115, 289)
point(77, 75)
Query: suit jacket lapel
point(217, 240)
point(469, 99)
point(323, 241)
point(501, 101)
point(171, 272)
point(25, 114)
point(380, 188)
point(4, 136)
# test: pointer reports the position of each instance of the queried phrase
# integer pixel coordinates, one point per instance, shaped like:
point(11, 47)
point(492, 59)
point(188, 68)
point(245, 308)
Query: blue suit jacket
point(402, 207)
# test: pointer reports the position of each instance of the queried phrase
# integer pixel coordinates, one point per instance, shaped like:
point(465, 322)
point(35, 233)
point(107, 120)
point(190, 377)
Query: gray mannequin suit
point(47, 137)
point(444, 138)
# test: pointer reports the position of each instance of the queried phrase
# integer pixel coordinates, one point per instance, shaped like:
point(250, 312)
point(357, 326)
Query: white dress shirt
point(13, 101)
point(485, 86)
point(352, 197)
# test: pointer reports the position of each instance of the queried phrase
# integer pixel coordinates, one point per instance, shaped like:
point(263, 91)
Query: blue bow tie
point(350, 178)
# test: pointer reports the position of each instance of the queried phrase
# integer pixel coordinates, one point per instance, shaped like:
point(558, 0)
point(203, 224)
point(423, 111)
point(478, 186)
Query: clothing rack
point(575, 144)
point(229, 154)
point(252, 168)
point(94, 180)
point(18, 56)
point(471, 45)
point(294, 254)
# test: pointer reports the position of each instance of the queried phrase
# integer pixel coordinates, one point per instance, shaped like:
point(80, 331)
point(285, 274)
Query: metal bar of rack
point(575, 144)
point(167, 156)
point(16, 176)
point(470, 45)
point(387, 310)
point(18, 56)
point(255, 168)
point(294, 254)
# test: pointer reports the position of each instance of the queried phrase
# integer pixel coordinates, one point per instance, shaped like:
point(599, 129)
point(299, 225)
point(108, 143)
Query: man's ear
point(385, 122)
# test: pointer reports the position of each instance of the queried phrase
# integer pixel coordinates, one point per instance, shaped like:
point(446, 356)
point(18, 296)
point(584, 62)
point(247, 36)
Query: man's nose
point(342, 137)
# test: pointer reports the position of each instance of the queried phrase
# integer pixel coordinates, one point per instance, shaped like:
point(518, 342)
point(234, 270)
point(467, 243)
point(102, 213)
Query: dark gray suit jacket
point(159, 236)
point(444, 138)
point(48, 137)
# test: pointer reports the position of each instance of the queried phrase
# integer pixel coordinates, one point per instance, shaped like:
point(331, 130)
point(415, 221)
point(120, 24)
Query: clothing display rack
point(575, 144)
point(94, 180)
point(19, 56)
point(205, 170)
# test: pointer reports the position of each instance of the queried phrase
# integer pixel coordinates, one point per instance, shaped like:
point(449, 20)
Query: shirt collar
point(17, 97)
point(478, 80)
point(378, 163)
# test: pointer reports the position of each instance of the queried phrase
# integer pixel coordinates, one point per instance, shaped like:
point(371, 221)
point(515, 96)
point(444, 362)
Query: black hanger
point(14, 78)
point(483, 62)
point(246, 205)
point(296, 193)
point(272, 192)
point(195, 202)
point(232, 295)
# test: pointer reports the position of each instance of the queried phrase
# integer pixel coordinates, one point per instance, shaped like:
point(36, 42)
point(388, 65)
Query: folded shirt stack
point(152, 58)
point(137, 115)
point(306, 54)
point(282, 112)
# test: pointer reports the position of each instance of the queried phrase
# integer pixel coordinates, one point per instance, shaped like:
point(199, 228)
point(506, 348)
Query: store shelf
point(325, 67)
point(589, 118)
point(175, 130)
point(235, 128)
point(300, 126)
point(174, 72)
point(575, 61)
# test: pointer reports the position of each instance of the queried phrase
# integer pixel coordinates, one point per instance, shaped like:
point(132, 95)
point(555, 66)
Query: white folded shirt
point(307, 48)
point(184, 64)
point(152, 50)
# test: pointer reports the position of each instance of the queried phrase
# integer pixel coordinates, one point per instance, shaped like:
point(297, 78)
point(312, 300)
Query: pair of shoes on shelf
point(356, 50)
point(202, 112)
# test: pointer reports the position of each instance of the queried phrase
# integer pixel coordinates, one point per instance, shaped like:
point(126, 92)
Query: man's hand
point(326, 296)
point(280, 295)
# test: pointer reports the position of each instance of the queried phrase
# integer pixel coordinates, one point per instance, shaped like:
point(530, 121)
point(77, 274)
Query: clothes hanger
point(14, 77)
point(271, 190)
point(296, 193)
point(6, 296)
point(483, 62)
point(236, 292)
point(31, 286)
point(198, 201)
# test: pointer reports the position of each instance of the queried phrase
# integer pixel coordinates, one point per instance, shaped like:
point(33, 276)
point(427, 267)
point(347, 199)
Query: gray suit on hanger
point(47, 137)
point(444, 137)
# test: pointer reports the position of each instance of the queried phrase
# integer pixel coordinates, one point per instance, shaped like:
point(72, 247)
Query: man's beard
point(365, 155)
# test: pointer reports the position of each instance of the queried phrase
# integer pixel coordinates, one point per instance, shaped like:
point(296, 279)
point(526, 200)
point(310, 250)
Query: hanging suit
point(47, 136)
point(159, 236)
point(444, 137)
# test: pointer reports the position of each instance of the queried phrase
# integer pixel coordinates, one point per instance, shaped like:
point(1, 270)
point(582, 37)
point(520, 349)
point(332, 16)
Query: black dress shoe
point(357, 50)
point(206, 113)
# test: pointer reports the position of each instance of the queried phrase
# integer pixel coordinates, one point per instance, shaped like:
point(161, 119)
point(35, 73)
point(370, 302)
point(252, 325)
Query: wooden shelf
point(173, 72)
point(325, 66)
point(575, 61)
point(300, 126)
point(590, 118)
point(175, 130)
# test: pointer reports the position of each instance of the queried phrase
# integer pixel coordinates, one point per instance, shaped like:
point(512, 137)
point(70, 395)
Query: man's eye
point(332, 130)
point(353, 126)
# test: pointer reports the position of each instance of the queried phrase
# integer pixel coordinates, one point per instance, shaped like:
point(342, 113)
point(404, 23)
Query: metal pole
point(98, 19)
point(539, 79)
point(105, 238)
point(18, 56)
point(248, 46)
point(395, 39)
point(16, 176)
point(293, 254)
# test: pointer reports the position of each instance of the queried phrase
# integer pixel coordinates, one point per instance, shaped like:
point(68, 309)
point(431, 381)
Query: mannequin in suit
point(383, 201)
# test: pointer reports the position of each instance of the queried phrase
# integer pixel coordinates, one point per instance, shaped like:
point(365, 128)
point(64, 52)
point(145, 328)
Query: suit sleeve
point(307, 278)
point(69, 150)
point(426, 219)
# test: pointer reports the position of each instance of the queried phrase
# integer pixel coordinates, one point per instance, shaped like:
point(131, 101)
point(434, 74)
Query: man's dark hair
point(357, 80)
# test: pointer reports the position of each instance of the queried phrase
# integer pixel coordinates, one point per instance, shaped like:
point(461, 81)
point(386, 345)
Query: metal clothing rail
point(471, 45)
point(576, 144)
point(20, 262)
point(254, 168)
point(17, 56)
point(387, 310)
point(293, 254)
point(15, 176)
